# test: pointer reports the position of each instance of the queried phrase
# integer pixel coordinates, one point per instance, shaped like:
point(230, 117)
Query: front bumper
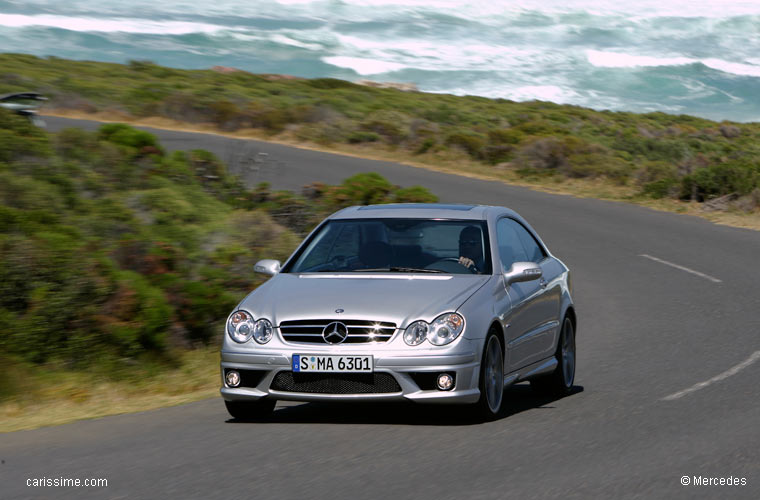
point(404, 368)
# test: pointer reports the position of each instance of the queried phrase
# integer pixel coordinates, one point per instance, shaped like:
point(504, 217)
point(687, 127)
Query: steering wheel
point(472, 269)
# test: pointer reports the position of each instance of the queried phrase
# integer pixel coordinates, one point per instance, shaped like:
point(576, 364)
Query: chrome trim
point(340, 334)
point(372, 331)
point(376, 276)
point(255, 359)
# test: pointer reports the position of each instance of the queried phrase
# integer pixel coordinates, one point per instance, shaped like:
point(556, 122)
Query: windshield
point(396, 245)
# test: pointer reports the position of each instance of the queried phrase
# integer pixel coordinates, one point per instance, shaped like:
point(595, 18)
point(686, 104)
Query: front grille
point(359, 331)
point(335, 383)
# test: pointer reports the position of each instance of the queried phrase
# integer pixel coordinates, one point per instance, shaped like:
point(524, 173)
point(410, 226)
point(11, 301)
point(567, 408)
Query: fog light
point(232, 378)
point(445, 382)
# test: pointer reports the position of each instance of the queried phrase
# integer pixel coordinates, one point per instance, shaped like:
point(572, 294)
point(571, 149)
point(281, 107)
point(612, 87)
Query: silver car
point(429, 303)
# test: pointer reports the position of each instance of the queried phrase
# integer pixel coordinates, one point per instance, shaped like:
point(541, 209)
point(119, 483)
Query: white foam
point(286, 40)
point(124, 25)
point(517, 92)
point(542, 93)
point(363, 66)
point(433, 55)
point(618, 60)
point(730, 67)
point(482, 10)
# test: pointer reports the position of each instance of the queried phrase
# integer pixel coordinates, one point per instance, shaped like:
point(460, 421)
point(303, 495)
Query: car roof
point(421, 211)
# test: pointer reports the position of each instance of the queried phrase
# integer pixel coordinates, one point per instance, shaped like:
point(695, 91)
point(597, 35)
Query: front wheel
point(250, 410)
point(560, 382)
point(491, 383)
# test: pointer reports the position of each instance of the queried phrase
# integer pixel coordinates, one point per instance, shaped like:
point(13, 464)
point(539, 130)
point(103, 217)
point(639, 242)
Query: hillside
point(573, 149)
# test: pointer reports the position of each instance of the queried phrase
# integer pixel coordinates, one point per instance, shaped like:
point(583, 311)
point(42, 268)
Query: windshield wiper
point(392, 269)
point(400, 269)
point(414, 270)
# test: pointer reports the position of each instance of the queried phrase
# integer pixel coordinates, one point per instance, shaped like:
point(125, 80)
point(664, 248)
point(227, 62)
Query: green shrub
point(470, 142)
point(546, 153)
point(414, 194)
point(19, 138)
point(538, 127)
point(76, 144)
point(329, 83)
point(391, 126)
point(739, 177)
point(139, 141)
point(202, 308)
point(659, 179)
point(425, 146)
point(138, 315)
point(361, 136)
point(494, 154)
point(226, 115)
point(360, 189)
point(505, 136)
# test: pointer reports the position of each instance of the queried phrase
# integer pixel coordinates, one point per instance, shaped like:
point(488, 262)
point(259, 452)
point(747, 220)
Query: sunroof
point(418, 206)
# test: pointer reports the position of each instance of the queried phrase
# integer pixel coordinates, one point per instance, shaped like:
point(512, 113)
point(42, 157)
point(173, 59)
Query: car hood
point(400, 298)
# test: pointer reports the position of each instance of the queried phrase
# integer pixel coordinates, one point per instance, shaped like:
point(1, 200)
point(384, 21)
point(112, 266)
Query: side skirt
point(543, 367)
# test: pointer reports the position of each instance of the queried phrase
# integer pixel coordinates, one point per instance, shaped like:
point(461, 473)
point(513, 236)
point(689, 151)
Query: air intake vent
point(335, 383)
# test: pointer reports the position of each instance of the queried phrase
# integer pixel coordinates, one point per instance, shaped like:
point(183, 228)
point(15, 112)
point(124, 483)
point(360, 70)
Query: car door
point(533, 322)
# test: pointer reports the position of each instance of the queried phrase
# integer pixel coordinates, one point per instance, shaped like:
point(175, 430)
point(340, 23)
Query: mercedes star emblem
point(335, 332)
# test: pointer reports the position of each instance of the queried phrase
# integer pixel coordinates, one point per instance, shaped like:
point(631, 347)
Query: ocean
point(684, 57)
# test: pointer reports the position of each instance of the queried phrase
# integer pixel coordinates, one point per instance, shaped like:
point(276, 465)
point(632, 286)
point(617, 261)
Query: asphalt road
point(647, 330)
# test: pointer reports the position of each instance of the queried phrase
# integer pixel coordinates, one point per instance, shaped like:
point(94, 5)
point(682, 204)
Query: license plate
point(339, 364)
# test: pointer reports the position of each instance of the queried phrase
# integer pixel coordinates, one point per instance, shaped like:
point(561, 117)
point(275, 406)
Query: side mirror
point(522, 271)
point(267, 266)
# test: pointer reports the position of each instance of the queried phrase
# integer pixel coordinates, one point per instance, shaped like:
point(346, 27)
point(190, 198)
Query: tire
point(491, 381)
point(250, 410)
point(560, 381)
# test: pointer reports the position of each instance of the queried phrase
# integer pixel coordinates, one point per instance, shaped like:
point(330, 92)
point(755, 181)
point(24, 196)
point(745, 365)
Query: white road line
point(692, 271)
point(728, 373)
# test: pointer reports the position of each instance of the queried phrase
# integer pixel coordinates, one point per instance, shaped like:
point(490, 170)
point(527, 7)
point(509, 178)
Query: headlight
point(445, 329)
point(240, 327)
point(416, 333)
point(262, 331)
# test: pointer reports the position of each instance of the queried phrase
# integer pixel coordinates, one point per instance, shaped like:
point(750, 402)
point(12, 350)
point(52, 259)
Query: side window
point(511, 249)
point(532, 248)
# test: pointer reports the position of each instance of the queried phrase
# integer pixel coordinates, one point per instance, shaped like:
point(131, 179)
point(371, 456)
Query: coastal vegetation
point(119, 262)
point(651, 156)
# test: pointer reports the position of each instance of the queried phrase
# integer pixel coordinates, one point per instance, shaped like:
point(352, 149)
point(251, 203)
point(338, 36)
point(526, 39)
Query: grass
point(48, 395)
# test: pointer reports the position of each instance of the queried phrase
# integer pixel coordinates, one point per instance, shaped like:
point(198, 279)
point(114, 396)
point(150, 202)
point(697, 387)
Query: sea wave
point(363, 66)
point(693, 56)
point(603, 59)
point(93, 24)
